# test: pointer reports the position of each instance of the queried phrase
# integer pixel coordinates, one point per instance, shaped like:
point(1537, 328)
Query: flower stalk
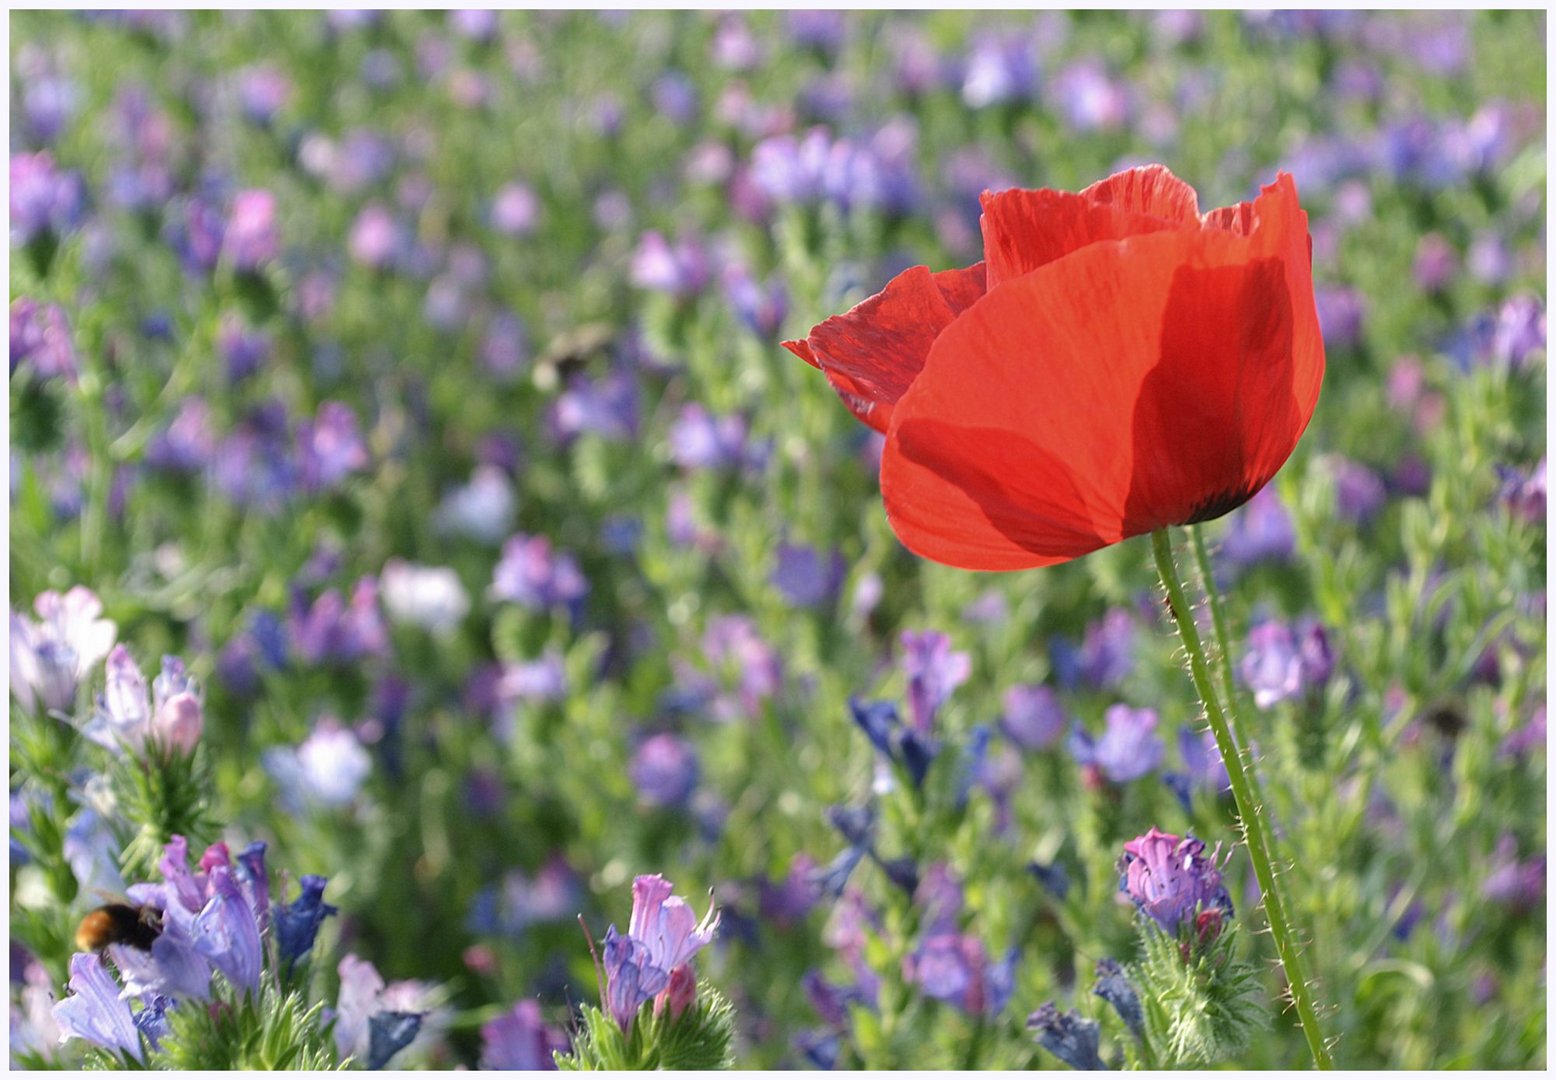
point(1250, 804)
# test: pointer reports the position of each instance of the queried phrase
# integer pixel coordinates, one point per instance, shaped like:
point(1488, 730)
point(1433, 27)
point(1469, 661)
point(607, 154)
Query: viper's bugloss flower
point(520, 1039)
point(327, 769)
point(45, 200)
point(171, 720)
point(1261, 532)
point(907, 747)
point(1112, 986)
point(666, 923)
point(807, 577)
point(1172, 880)
point(374, 1020)
point(389, 1032)
point(1069, 1037)
point(94, 1010)
point(1524, 493)
point(531, 574)
point(630, 977)
point(955, 969)
point(297, 922)
point(664, 770)
point(1127, 750)
point(1108, 652)
point(40, 339)
point(51, 658)
point(700, 439)
point(1033, 717)
point(1284, 662)
point(662, 937)
point(252, 238)
point(1203, 767)
point(933, 671)
point(335, 630)
point(1154, 325)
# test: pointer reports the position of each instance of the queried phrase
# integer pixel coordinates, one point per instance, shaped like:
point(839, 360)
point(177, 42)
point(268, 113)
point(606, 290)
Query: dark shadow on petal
point(1025, 491)
point(1217, 415)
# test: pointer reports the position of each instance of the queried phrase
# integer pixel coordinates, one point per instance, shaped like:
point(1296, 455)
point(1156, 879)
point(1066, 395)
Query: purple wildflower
point(40, 339)
point(330, 447)
point(1108, 653)
point(1261, 531)
point(54, 656)
point(1173, 881)
point(807, 578)
point(252, 239)
point(999, 70)
point(955, 968)
point(45, 201)
point(909, 748)
point(702, 440)
point(531, 574)
point(1127, 750)
point(664, 770)
point(1114, 988)
point(1033, 717)
point(94, 1011)
point(515, 210)
point(1069, 1037)
point(483, 509)
point(1283, 663)
point(520, 1039)
point(297, 923)
point(933, 671)
point(606, 407)
point(681, 269)
point(631, 978)
point(171, 720)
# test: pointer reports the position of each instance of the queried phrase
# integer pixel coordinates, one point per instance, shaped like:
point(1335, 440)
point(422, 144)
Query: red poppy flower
point(1119, 362)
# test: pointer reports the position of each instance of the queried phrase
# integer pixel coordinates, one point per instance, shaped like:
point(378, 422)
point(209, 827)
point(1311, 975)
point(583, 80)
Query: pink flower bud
point(680, 994)
point(179, 724)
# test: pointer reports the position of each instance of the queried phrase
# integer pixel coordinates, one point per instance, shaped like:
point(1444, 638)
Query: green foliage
point(700, 1039)
point(280, 1031)
point(1202, 1005)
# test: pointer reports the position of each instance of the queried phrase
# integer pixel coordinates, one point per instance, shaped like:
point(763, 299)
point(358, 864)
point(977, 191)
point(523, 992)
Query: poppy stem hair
point(1250, 803)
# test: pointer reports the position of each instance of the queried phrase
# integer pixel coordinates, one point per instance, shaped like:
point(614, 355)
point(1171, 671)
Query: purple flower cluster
point(1128, 749)
point(51, 658)
point(1173, 881)
point(45, 201)
point(40, 339)
point(653, 958)
point(874, 175)
point(210, 920)
point(170, 722)
point(1284, 662)
point(533, 575)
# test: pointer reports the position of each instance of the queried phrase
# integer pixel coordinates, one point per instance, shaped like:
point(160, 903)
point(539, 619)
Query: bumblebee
point(137, 926)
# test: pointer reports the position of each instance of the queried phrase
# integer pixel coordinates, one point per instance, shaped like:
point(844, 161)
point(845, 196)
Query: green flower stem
point(1249, 805)
point(1223, 637)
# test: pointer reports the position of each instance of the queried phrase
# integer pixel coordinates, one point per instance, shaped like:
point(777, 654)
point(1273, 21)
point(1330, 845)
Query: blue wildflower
point(1111, 986)
point(297, 923)
point(1068, 1036)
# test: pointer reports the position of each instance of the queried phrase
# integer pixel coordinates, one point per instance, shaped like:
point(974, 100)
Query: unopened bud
point(680, 994)
point(179, 724)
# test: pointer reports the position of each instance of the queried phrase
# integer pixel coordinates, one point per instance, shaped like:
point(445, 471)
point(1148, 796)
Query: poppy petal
point(1023, 230)
point(1126, 387)
point(1151, 190)
point(872, 353)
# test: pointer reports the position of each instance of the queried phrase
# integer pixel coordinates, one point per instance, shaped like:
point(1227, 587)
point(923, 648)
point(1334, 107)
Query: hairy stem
point(1250, 807)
